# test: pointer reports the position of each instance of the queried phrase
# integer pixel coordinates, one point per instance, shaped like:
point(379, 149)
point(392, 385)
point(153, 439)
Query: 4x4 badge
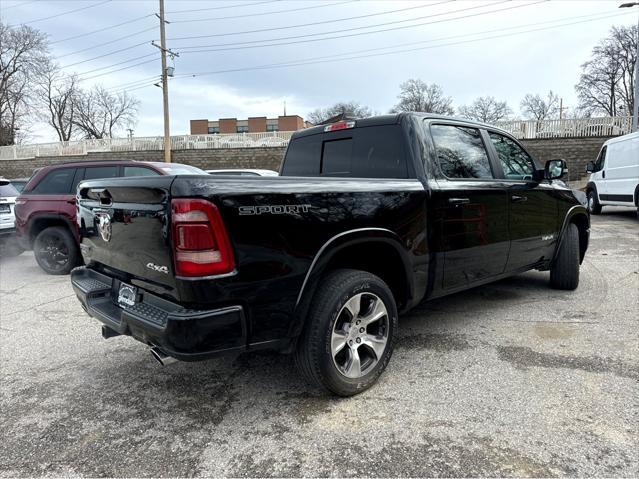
point(104, 227)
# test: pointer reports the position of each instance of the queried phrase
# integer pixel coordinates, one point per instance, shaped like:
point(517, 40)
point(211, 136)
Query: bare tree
point(606, 82)
point(539, 108)
point(59, 94)
point(350, 109)
point(416, 95)
point(486, 109)
point(23, 51)
point(100, 114)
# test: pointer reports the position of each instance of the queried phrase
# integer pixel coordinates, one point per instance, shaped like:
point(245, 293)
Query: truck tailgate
point(125, 226)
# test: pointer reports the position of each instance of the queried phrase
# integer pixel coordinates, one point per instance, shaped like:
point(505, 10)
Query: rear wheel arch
point(376, 251)
point(39, 223)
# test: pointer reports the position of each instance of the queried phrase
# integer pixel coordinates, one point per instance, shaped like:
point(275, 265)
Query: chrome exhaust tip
point(161, 357)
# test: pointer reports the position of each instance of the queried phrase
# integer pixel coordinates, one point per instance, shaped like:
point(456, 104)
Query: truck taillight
point(201, 245)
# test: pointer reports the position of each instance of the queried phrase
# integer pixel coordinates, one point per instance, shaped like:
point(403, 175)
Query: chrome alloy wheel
point(360, 335)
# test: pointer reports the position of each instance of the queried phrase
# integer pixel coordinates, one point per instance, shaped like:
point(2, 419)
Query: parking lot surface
point(507, 379)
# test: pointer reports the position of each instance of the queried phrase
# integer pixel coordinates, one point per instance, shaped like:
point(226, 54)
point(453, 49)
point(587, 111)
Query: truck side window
point(57, 182)
point(601, 159)
point(515, 162)
point(461, 152)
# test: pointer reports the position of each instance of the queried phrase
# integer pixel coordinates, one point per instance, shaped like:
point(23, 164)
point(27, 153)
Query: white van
point(614, 177)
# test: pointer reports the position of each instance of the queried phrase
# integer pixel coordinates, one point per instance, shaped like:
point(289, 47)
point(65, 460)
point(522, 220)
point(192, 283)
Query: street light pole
point(635, 109)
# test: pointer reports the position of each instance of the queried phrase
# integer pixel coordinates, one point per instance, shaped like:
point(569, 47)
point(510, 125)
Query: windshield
point(8, 190)
point(178, 169)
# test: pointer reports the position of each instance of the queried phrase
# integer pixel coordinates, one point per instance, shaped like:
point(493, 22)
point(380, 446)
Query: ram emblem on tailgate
point(104, 227)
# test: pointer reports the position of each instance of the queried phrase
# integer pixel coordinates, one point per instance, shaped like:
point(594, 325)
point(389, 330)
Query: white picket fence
point(522, 129)
point(568, 128)
point(180, 142)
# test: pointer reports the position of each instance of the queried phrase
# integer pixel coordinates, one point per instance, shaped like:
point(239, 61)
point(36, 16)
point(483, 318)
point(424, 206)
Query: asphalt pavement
point(509, 379)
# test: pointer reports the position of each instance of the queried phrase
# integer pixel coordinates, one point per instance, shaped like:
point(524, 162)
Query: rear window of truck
point(370, 152)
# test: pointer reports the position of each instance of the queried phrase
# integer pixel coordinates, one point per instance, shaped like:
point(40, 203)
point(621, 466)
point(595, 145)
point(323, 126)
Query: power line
point(437, 21)
point(119, 63)
point(287, 27)
point(143, 83)
point(223, 7)
point(119, 69)
point(260, 14)
point(135, 87)
point(261, 43)
point(331, 58)
point(123, 86)
point(137, 19)
point(18, 5)
point(142, 43)
point(105, 43)
point(106, 54)
point(66, 13)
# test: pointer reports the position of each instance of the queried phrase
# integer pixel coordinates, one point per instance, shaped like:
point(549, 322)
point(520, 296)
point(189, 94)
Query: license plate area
point(127, 296)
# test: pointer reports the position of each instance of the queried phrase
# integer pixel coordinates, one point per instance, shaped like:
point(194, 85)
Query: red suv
point(46, 210)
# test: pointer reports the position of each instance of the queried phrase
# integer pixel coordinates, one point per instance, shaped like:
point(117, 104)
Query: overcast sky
point(470, 48)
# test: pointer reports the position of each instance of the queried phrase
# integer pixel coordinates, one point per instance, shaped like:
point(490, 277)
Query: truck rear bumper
point(187, 335)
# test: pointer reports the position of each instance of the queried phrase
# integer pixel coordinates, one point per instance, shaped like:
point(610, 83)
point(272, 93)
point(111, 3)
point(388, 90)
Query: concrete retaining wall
point(576, 151)
point(268, 158)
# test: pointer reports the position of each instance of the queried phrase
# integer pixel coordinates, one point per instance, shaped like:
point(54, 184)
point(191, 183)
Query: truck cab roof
point(396, 118)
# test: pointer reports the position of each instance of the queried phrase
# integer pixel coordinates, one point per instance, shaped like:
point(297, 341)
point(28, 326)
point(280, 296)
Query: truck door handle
point(458, 201)
point(603, 173)
point(518, 199)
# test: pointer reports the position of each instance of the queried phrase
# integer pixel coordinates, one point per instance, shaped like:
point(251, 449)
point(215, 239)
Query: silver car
point(8, 242)
point(8, 195)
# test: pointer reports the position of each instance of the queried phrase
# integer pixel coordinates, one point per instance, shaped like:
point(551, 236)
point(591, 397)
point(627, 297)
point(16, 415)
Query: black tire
point(314, 356)
point(564, 273)
point(594, 207)
point(56, 250)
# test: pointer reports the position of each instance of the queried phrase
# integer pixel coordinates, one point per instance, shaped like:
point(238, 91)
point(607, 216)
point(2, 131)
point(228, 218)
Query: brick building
point(254, 124)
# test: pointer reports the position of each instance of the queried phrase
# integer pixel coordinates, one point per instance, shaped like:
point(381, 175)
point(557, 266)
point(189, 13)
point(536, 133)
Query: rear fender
point(330, 249)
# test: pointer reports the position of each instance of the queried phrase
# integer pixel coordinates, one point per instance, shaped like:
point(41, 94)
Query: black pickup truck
point(367, 219)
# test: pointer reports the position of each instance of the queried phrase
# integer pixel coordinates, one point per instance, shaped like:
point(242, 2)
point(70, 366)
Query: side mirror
point(590, 167)
point(555, 169)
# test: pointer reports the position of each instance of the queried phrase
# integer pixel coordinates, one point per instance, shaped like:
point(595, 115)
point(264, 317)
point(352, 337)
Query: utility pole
point(635, 110)
point(165, 88)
